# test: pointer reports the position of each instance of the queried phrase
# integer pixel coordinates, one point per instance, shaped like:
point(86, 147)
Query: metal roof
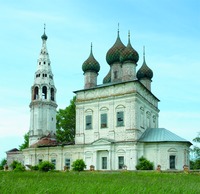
point(160, 135)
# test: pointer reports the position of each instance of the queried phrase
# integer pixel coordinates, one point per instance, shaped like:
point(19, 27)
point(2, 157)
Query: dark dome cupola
point(113, 54)
point(145, 74)
point(129, 58)
point(129, 54)
point(91, 64)
point(90, 68)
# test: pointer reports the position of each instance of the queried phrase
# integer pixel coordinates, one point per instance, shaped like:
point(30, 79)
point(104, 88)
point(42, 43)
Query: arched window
point(52, 94)
point(88, 119)
point(44, 92)
point(120, 116)
point(35, 96)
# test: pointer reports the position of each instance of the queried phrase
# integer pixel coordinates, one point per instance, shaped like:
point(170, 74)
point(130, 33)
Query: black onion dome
point(113, 54)
point(107, 79)
point(44, 36)
point(144, 71)
point(129, 53)
point(91, 64)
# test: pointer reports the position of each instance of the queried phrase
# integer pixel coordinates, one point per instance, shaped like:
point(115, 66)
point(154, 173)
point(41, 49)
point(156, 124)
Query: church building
point(117, 122)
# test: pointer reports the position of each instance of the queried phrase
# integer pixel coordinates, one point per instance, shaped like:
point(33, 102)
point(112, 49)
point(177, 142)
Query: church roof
point(45, 142)
point(13, 150)
point(160, 135)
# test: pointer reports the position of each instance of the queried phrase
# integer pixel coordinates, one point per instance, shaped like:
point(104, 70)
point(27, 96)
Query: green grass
point(98, 182)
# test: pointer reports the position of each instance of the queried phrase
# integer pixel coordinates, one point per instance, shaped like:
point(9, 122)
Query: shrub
point(46, 166)
point(144, 164)
point(17, 166)
point(36, 167)
point(195, 165)
point(20, 167)
point(13, 165)
point(78, 165)
point(2, 163)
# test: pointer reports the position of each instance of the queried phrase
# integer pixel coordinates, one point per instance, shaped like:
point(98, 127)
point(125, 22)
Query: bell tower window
point(44, 92)
point(35, 96)
point(52, 94)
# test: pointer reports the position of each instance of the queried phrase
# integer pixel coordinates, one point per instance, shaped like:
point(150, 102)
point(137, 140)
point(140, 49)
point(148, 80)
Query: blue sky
point(168, 29)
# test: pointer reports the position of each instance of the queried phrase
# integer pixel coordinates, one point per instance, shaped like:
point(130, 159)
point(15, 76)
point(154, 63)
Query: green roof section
point(160, 135)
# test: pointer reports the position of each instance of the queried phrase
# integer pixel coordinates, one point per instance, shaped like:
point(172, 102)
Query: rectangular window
point(120, 162)
point(104, 162)
point(172, 160)
point(104, 120)
point(67, 163)
point(88, 121)
point(120, 119)
point(115, 74)
point(53, 161)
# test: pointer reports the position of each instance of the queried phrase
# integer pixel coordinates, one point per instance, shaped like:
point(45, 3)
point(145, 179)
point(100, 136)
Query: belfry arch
point(36, 93)
point(44, 92)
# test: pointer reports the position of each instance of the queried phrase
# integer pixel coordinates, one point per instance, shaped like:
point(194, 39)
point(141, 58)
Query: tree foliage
point(78, 165)
point(46, 166)
point(195, 163)
point(26, 142)
point(144, 164)
point(2, 163)
point(66, 119)
point(196, 149)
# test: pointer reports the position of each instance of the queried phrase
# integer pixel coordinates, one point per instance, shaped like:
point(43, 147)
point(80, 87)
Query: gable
point(102, 141)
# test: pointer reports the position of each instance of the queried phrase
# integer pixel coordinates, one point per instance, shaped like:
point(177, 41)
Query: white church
point(116, 122)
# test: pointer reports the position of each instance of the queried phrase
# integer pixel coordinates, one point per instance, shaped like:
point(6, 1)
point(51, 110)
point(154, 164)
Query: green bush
point(17, 166)
point(36, 167)
point(20, 167)
point(78, 165)
point(14, 164)
point(144, 164)
point(46, 166)
point(195, 165)
point(2, 163)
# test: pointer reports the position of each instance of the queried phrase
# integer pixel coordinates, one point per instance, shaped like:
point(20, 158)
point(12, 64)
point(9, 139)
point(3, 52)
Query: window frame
point(104, 163)
point(120, 165)
point(68, 163)
point(120, 123)
point(172, 166)
point(88, 125)
point(105, 123)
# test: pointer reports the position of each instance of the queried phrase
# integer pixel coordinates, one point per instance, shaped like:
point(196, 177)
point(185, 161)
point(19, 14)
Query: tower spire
point(44, 27)
point(129, 37)
point(118, 30)
point(144, 53)
point(91, 49)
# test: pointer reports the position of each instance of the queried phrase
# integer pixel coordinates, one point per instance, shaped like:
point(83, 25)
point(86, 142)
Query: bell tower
point(43, 101)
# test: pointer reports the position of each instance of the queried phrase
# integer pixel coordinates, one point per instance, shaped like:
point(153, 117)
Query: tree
point(78, 165)
point(195, 163)
point(2, 163)
point(26, 142)
point(144, 164)
point(66, 120)
point(196, 148)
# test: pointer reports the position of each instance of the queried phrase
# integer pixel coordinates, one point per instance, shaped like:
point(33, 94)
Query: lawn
point(98, 182)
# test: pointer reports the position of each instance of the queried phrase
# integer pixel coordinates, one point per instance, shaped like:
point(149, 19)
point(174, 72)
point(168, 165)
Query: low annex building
point(116, 121)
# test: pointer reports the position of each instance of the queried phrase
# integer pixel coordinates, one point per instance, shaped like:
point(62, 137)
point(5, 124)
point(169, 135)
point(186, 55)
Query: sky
point(169, 30)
